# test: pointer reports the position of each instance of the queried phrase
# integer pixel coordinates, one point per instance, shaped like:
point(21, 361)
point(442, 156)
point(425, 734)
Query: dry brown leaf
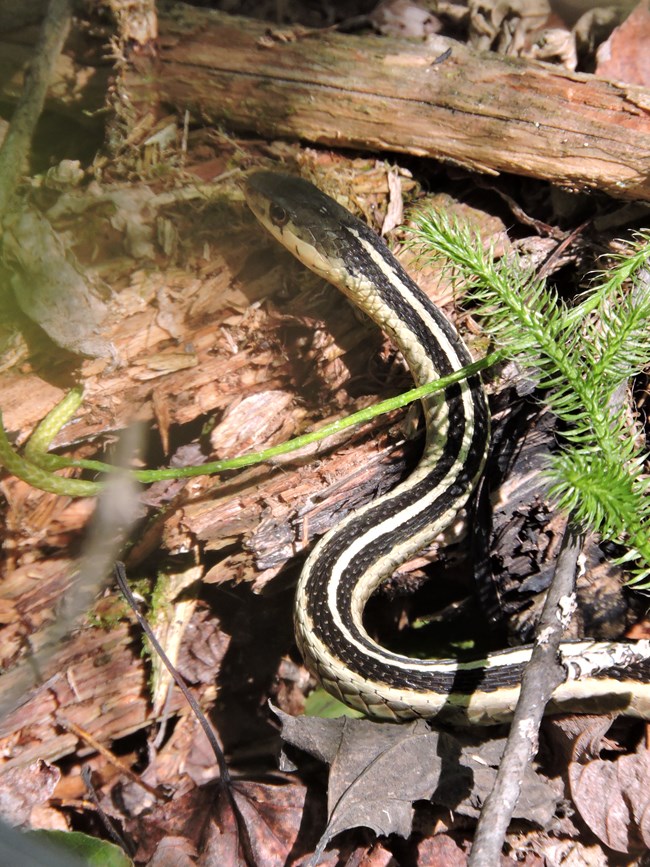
point(625, 56)
point(174, 852)
point(378, 771)
point(612, 796)
point(262, 828)
point(441, 851)
point(200, 820)
point(368, 856)
point(220, 839)
point(274, 815)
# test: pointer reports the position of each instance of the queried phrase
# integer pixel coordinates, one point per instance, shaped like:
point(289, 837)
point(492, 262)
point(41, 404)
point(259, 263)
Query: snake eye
point(278, 215)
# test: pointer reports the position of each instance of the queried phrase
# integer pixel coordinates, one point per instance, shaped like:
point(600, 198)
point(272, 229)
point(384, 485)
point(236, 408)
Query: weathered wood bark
point(478, 110)
point(98, 681)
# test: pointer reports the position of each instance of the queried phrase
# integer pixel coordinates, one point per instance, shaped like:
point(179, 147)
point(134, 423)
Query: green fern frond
point(579, 357)
point(524, 317)
point(619, 340)
point(599, 492)
point(606, 284)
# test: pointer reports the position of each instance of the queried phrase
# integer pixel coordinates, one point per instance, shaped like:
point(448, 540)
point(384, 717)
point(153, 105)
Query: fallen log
point(441, 100)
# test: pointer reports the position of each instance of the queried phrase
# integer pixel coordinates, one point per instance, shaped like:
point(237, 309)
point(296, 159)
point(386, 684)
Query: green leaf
point(324, 705)
point(96, 853)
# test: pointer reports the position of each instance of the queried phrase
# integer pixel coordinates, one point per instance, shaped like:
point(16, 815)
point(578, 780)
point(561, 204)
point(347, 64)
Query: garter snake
point(349, 562)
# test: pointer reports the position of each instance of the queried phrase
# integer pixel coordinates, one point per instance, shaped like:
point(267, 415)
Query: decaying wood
point(218, 337)
point(98, 680)
point(443, 100)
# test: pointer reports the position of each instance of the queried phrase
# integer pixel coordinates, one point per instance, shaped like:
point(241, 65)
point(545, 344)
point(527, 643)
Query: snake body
point(353, 558)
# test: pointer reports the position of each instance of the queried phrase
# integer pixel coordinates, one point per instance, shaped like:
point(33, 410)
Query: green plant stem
point(36, 466)
point(39, 442)
point(37, 477)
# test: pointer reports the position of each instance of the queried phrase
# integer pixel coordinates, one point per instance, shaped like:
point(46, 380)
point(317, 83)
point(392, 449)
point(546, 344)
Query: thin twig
point(30, 105)
point(543, 674)
point(124, 844)
point(110, 757)
point(119, 573)
point(225, 781)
